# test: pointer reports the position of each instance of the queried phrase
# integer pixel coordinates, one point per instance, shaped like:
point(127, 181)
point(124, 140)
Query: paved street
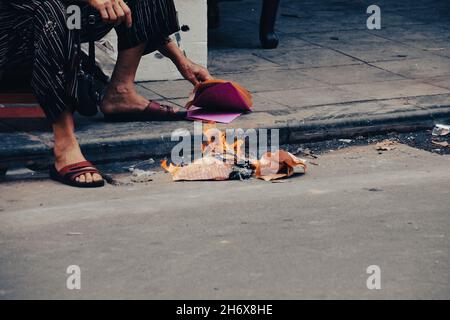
point(312, 236)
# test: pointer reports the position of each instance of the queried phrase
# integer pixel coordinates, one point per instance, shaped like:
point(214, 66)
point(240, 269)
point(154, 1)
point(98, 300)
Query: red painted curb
point(19, 106)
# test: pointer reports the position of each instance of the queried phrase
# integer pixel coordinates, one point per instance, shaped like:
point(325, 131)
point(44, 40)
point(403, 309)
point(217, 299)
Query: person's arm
point(188, 69)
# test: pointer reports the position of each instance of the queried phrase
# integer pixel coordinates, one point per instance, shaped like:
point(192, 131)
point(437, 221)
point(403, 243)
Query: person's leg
point(153, 21)
point(121, 95)
point(54, 80)
point(66, 148)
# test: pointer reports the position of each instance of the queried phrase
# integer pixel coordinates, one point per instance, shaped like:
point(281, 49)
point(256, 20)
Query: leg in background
point(213, 14)
point(269, 40)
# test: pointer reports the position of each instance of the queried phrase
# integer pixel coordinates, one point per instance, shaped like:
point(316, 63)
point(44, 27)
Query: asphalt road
point(313, 236)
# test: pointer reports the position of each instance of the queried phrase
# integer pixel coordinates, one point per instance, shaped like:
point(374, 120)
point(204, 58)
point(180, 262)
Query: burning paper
point(385, 145)
point(277, 165)
point(227, 161)
point(207, 168)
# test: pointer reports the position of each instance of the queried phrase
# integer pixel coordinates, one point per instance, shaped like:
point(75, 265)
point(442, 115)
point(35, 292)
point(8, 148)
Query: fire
point(169, 168)
point(214, 163)
point(216, 143)
point(215, 146)
point(221, 159)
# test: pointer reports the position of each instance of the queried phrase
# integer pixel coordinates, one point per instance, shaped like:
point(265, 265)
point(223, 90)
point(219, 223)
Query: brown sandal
point(153, 112)
point(68, 175)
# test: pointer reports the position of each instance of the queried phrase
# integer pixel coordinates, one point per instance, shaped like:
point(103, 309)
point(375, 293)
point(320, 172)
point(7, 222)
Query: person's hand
point(193, 72)
point(113, 11)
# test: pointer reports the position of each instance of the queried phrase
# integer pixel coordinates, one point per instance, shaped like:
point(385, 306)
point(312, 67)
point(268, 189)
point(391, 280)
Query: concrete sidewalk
point(330, 76)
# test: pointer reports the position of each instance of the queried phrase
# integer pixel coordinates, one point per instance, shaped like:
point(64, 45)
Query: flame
point(216, 151)
point(216, 143)
point(256, 166)
point(169, 168)
point(215, 146)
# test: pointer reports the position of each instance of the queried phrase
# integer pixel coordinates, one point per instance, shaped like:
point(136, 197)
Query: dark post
point(269, 40)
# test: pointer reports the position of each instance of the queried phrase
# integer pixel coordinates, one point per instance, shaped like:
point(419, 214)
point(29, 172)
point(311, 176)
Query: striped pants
point(35, 33)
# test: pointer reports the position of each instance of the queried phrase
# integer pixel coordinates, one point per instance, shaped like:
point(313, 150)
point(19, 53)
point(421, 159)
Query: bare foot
point(122, 98)
point(68, 152)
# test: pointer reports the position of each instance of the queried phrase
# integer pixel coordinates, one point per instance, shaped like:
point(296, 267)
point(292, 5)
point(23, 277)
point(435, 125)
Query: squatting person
point(36, 32)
